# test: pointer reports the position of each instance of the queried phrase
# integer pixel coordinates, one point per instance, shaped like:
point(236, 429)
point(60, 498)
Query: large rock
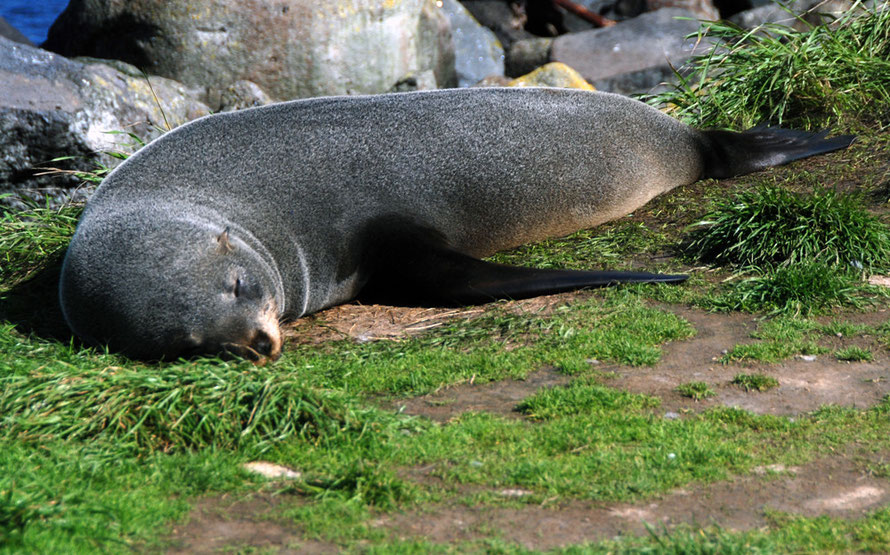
point(477, 52)
point(290, 48)
point(798, 14)
point(703, 9)
point(52, 107)
point(633, 55)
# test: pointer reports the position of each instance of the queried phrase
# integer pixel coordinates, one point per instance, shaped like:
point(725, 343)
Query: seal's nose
point(262, 345)
point(265, 345)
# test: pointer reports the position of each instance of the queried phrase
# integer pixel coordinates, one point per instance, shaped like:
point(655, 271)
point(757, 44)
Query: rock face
point(51, 107)
point(633, 55)
point(810, 12)
point(477, 52)
point(289, 48)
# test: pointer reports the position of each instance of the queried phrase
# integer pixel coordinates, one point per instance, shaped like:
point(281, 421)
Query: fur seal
point(205, 238)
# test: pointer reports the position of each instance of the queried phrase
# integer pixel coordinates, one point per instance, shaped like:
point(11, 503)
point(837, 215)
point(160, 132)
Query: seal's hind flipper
point(728, 154)
point(440, 276)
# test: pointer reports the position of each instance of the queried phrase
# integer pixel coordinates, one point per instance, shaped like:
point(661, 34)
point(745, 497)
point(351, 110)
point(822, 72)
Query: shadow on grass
point(32, 305)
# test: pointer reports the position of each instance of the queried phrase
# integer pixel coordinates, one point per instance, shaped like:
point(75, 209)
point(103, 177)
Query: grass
point(800, 289)
point(101, 452)
point(807, 251)
point(854, 354)
point(610, 326)
point(610, 244)
point(769, 227)
point(582, 396)
point(172, 408)
point(32, 239)
point(775, 74)
point(785, 336)
point(780, 338)
point(839, 328)
point(696, 390)
point(756, 382)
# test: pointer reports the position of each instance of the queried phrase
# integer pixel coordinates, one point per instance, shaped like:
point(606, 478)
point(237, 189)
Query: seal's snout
point(262, 344)
point(267, 346)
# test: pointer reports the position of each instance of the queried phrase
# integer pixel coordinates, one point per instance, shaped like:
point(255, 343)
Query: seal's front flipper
point(436, 275)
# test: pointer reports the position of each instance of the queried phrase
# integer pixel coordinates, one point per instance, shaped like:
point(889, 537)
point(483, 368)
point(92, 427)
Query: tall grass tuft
point(770, 226)
point(32, 239)
point(804, 288)
point(774, 73)
point(174, 408)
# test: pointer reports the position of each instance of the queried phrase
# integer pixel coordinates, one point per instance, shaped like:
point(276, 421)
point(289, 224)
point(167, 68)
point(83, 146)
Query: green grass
point(794, 79)
point(582, 397)
point(173, 408)
point(807, 252)
point(839, 328)
point(757, 382)
point(64, 497)
point(610, 244)
point(780, 338)
point(799, 289)
point(32, 239)
point(770, 226)
point(611, 326)
point(696, 390)
point(854, 354)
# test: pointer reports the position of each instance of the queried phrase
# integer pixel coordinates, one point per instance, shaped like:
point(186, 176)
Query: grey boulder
point(634, 55)
point(290, 49)
point(477, 52)
point(52, 107)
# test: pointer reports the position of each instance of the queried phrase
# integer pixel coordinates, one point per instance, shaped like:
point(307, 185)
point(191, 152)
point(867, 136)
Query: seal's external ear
point(224, 245)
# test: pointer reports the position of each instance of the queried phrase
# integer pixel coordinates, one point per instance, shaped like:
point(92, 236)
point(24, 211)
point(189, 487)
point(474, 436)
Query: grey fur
point(295, 183)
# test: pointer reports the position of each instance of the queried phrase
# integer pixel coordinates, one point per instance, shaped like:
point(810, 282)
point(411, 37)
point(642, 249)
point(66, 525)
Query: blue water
point(32, 17)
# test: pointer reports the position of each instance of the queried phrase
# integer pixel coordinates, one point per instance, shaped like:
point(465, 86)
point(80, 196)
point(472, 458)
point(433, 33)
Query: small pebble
point(671, 415)
point(271, 470)
point(514, 493)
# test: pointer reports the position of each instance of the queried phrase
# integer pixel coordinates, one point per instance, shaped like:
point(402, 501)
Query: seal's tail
point(731, 154)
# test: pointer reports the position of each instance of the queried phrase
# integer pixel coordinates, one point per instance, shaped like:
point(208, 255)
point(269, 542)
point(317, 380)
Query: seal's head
point(155, 286)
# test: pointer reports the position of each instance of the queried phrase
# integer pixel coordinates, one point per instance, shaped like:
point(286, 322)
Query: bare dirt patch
point(804, 385)
point(496, 397)
point(220, 524)
point(839, 486)
point(376, 322)
point(372, 322)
